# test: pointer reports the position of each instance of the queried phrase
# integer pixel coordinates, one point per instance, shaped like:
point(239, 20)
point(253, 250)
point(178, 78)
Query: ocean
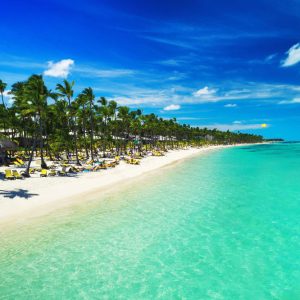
point(221, 225)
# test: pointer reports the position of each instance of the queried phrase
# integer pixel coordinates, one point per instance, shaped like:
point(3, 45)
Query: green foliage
point(86, 124)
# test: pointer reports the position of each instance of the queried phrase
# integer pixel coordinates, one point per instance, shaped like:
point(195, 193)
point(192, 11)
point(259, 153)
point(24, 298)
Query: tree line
point(53, 122)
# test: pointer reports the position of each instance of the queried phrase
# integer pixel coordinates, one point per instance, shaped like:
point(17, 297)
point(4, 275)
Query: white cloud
point(205, 92)
point(270, 57)
point(293, 56)
point(234, 126)
point(177, 76)
point(189, 118)
point(230, 105)
point(8, 97)
point(237, 122)
point(172, 107)
point(107, 73)
point(22, 64)
point(177, 43)
point(170, 62)
point(294, 101)
point(60, 68)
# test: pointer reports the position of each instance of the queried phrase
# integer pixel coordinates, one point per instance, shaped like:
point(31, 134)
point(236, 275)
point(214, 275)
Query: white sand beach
point(22, 199)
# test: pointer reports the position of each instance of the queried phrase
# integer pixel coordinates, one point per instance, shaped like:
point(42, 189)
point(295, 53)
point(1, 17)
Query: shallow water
point(224, 225)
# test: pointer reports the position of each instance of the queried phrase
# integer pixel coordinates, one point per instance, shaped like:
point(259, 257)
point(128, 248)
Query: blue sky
point(225, 64)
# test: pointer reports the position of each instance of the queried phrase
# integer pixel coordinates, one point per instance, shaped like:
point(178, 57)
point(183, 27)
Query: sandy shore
point(21, 199)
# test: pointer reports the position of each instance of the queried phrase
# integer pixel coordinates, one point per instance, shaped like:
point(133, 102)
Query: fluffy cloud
point(230, 105)
point(204, 95)
point(294, 101)
point(293, 56)
point(172, 107)
point(60, 68)
point(205, 92)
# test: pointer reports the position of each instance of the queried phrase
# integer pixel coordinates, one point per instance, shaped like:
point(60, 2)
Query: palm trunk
point(92, 132)
point(84, 136)
point(75, 144)
point(43, 163)
point(27, 173)
point(4, 123)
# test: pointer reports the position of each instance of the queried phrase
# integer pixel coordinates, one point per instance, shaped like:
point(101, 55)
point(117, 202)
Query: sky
point(218, 64)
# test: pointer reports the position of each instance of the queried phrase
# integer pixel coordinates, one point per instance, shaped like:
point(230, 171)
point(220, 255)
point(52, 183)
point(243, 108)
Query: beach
point(24, 199)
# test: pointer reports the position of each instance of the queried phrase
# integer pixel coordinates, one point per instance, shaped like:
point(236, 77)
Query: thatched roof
point(7, 145)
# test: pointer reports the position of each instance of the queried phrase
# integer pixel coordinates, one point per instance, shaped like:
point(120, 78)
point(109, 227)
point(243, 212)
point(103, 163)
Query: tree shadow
point(17, 193)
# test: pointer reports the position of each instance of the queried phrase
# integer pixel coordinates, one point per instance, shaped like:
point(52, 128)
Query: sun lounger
point(32, 170)
point(9, 175)
point(61, 173)
point(17, 164)
point(20, 161)
point(43, 173)
point(16, 174)
point(52, 173)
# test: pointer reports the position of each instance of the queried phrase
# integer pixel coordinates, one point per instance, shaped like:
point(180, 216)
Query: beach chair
point(103, 165)
point(135, 161)
point(61, 173)
point(43, 173)
point(90, 162)
point(9, 175)
point(74, 169)
point(17, 164)
point(20, 161)
point(16, 174)
point(96, 168)
point(32, 170)
point(52, 173)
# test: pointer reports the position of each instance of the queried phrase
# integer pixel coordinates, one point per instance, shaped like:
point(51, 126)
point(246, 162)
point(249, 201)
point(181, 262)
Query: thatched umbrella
point(6, 145)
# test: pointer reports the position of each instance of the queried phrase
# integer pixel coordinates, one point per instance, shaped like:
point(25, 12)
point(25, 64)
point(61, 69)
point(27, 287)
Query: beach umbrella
point(6, 145)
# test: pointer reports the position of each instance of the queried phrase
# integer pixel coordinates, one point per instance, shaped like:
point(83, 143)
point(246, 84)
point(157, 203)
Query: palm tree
point(107, 110)
point(90, 97)
point(66, 91)
point(36, 94)
point(82, 115)
point(3, 86)
point(69, 124)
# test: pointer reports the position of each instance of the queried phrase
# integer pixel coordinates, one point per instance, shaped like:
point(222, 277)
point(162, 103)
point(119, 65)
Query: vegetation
point(55, 123)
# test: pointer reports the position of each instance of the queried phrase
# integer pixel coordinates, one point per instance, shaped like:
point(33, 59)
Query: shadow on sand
point(17, 193)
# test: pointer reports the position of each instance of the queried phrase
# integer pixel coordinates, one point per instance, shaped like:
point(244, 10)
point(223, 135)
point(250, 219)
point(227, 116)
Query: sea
point(220, 225)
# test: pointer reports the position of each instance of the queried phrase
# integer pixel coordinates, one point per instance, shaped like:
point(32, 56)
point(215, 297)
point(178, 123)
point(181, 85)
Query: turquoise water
point(224, 225)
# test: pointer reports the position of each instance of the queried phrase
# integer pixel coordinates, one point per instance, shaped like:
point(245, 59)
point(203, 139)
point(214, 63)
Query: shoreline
point(35, 197)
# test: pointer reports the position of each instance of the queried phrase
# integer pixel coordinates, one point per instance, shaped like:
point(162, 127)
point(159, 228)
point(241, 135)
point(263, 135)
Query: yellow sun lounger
point(9, 175)
point(20, 161)
point(32, 171)
point(43, 173)
point(16, 174)
point(17, 164)
point(52, 173)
